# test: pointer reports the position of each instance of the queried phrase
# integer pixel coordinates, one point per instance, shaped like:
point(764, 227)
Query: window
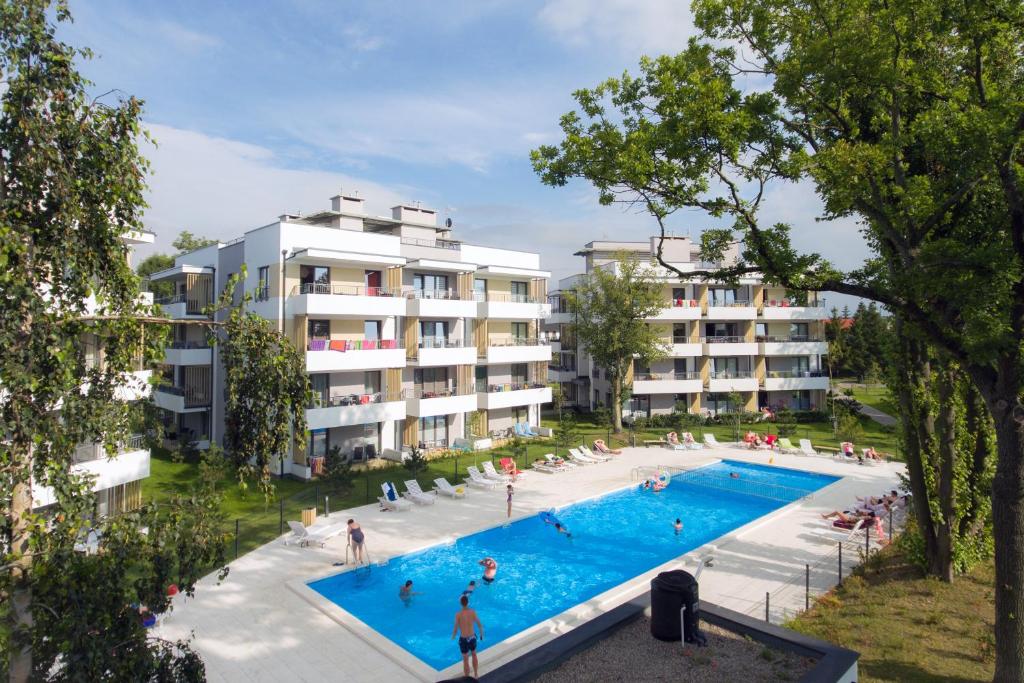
point(480, 289)
point(801, 366)
point(434, 431)
point(433, 333)
point(678, 293)
point(726, 367)
point(317, 442)
point(679, 366)
point(315, 279)
point(431, 381)
point(481, 378)
point(520, 414)
point(520, 331)
point(719, 403)
point(760, 330)
point(430, 285)
point(371, 279)
point(320, 383)
point(319, 329)
point(720, 330)
point(679, 335)
point(721, 296)
point(371, 329)
point(519, 373)
point(263, 284)
point(798, 332)
point(371, 382)
point(520, 291)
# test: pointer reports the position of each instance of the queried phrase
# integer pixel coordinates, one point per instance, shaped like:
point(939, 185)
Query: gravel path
point(632, 654)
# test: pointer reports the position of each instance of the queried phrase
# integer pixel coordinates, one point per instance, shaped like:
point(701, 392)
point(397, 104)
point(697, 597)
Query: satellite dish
point(447, 222)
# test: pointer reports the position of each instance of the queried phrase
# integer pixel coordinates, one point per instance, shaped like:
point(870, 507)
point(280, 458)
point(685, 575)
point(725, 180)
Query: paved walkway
point(877, 415)
point(261, 623)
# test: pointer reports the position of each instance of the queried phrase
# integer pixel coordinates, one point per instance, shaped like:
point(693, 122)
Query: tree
point(836, 337)
point(71, 185)
point(565, 432)
point(416, 462)
point(154, 263)
point(904, 116)
point(337, 470)
point(266, 389)
point(610, 309)
point(186, 242)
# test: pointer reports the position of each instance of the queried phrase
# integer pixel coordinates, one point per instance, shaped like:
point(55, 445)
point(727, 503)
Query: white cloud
point(216, 187)
point(184, 37)
point(633, 27)
point(358, 38)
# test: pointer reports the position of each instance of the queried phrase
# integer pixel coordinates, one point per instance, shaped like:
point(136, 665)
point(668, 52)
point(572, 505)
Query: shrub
point(416, 462)
point(337, 470)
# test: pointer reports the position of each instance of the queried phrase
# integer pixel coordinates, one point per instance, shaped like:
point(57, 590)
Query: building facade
point(411, 337)
point(754, 340)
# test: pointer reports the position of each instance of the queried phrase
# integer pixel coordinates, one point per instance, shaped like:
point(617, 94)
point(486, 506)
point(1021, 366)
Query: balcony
point(325, 300)
point(182, 306)
point(87, 452)
point(512, 307)
point(421, 403)
point(440, 303)
point(668, 383)
point(130, 464)
point(784, 310)
point(188, 353)
point(324, 355)
point(795, 380)
point(181, 399)
point(725, 381)
point(679, 309)
point(560, 374)
point(356, 409)
point(509, 395)
point(559, 318)
point(792, 346)
point(682, 348)
point(516, 350)
point(729, 346)
point(435, 352)
point(731, 310)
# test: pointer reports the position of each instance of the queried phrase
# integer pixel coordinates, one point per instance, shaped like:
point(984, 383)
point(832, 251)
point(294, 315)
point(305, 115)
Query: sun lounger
point(493, 474)
point(601, 447)
point(672, 442)
point(786, 446)
point(479, 480)
point(558, 462)
point(528, 430)
point(841, 534)
point(442, 486)
point(520, 430)
point(391, 500)
point(690, 442)
point(711, 441)
point(842, 454)
point(865, 459)
point(417, 495)
point(806, 448)
point(508, 466)
point(546, 469)
point(303, 535)
point(600, 457)
point(577, 457)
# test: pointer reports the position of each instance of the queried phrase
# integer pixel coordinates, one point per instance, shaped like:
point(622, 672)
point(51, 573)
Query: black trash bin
point(670, 591)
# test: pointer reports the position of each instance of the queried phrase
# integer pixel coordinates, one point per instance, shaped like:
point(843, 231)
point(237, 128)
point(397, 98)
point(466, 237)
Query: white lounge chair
point(303, 535)
point(493, 474)
point(546, 469)
point(691, 443)
point(672, 442)
point(806, 448)
point(576, 457)
point(442, 486)
point(479, 480)
point(711, 441)
point(553, 462)
point(835, 533)
point(414, 493)
point(600, 457)
point(391, 500)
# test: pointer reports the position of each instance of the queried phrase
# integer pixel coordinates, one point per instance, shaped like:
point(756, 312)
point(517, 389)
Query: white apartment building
point(118, 471)
point(761, 342)
point(411, 338)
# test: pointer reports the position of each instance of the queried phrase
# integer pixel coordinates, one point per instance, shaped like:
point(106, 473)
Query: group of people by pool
point(869, 512)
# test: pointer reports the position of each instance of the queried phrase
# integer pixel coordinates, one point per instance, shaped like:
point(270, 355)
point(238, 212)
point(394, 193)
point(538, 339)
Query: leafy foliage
point(416, 462)
point(186, 242)
point(337, 470)
point(565, 433)
point(154, 263)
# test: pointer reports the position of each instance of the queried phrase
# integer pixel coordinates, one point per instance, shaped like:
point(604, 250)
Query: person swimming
point(678, 526)
point(470, 588)
point(562, 530)
point(405, 593)
point(734, 475)
point(490, 569)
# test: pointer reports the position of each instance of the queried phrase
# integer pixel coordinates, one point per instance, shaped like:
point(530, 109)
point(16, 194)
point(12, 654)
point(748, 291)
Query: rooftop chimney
point(350, 203)
point(414, 214)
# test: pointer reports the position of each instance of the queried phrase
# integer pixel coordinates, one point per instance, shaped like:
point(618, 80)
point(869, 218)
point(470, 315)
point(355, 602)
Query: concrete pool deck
point(258, 625)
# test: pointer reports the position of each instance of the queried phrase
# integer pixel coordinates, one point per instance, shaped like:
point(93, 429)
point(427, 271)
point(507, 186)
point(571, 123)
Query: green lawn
point(260, 521)
point(876, 396)
point(907, 627)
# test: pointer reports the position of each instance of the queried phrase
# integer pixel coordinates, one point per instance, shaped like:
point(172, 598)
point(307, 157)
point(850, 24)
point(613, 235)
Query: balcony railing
point(262, 293)
point(685, 303)
point(662, 376)
point(194, 396)
point(88, 452)
point(339, 290)
point(171, 299)
point(420, 392)
point(514, 386)
point(789, 303)
point(785, 374)
point(681, 340)
point(334, 400)
point(737, 303)
point(504, 297)
point(443, 294)
point(350, 344)
point(441, 343)
point(516, 341)
point(731, 374)
point(790, 338)
point(724, 340)
point(189, 345)
point(435, 243)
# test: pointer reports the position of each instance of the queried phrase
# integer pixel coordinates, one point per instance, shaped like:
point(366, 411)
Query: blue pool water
point(542, 573)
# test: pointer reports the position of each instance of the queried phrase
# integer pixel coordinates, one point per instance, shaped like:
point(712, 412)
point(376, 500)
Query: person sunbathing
point(601, 447)
point(688, 438)
point(850, 517)
point(870, 452)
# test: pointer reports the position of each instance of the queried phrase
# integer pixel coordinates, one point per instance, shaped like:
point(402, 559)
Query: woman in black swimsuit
point(355, 539)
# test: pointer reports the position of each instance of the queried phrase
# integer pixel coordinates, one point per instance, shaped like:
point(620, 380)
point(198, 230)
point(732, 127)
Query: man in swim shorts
point(465, 620)
point(490, 569)
point(470, 588)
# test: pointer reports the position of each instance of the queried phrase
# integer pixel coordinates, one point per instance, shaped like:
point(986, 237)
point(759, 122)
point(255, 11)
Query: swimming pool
point(541, 573)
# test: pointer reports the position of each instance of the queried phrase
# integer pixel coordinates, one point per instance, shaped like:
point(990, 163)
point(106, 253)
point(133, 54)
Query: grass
point(876, 396)
point(908, 627)
point(259, 521)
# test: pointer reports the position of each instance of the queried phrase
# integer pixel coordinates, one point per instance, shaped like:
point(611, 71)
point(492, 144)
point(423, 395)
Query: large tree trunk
point(20, 616)
point(617, 403)
point(941, 565)
point(1008, 528)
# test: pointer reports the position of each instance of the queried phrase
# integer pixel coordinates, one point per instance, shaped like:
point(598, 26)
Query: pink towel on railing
point(317, 344)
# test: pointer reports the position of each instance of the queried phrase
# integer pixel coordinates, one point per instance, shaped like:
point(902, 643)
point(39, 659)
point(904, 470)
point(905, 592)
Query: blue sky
point(265, 107)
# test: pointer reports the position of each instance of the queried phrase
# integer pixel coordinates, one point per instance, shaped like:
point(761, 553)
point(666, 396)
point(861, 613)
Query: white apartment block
point(119, 468)
point(759, 341)
point(411, 338)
